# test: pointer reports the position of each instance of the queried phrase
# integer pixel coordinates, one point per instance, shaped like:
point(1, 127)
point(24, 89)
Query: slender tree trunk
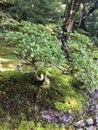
point(69, 16)
point(86, 13)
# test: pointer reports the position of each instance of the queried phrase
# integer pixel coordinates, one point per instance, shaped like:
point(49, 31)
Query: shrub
point(92, 24)
point(37, 11)
point(34, 43)
point(82, 56)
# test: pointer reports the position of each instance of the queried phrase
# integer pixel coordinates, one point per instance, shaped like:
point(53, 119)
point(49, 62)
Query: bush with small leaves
point(82, 54)
point(34, 43)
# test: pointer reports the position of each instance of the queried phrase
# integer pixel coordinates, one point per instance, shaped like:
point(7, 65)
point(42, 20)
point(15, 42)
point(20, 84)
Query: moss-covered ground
point(8, 60)
point(21, 96)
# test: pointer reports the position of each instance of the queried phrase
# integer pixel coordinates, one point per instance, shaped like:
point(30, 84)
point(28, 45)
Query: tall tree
point(69, 16)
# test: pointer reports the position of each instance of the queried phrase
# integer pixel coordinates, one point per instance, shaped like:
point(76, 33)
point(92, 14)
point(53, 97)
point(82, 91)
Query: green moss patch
point(7, 51)
point(63, 91)
point(8, 60)
point(21, 97)
point(29, 125)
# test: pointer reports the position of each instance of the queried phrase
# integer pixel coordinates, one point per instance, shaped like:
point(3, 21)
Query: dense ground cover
point(20, 92)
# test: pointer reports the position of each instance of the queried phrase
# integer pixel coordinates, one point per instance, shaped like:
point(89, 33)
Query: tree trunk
point(69, 16)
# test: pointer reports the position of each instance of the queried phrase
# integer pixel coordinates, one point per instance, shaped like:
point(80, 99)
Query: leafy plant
point(92, 24)
point(82, 56)
point(34, 44)
point(37, 11)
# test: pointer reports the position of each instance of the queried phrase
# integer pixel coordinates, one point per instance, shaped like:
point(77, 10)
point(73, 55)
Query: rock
point(80, 124)
point(89, 121)
point(91, 128)
point(96, 106)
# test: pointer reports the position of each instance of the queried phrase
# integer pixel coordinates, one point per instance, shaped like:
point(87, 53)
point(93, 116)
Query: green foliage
point(85, 67)
point(34, 43)
point(95, 40)
point(4, 126)
point(4, 18)
point(92, 24)
point(29, 125)
point(37, 11)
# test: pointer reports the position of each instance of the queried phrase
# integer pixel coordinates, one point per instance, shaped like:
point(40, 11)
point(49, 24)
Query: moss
point(15, 78)
point(63, 91)
point(7, 65)
point(20, 92)
point(29, 125)
point(5, 126)
point(8, 60)
point(26, 125)
point(7, 51)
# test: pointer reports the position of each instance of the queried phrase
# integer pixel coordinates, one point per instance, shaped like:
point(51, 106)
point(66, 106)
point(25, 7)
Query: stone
point(91, 128)
point(96, 106)
point(80, 124)
point(89, 121)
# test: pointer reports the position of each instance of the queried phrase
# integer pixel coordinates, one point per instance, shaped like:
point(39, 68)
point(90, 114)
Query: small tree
point(35, 44)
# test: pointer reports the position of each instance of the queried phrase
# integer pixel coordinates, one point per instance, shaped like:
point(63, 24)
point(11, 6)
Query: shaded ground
point(8, 61)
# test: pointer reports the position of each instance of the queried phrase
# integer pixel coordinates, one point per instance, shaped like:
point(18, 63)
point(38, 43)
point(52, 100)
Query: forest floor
point(8, 61)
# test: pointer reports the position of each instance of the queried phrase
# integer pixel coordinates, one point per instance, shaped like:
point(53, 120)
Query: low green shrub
point(34, 44)
point(83, 61)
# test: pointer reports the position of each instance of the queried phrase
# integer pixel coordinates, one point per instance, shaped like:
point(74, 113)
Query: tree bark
point(69, 16)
